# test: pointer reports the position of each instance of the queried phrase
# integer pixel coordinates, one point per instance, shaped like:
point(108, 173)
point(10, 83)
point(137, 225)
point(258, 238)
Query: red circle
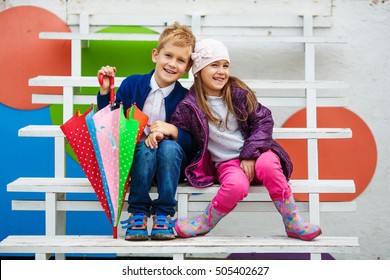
point(23, 55)
point(353, 158)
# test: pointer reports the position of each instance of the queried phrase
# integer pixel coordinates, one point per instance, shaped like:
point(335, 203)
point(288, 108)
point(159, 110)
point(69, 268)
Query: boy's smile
point(171, 63)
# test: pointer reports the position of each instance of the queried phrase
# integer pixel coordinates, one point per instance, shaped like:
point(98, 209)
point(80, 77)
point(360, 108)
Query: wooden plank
point(279, 133)
point(130, 20)
point(207, 20)
point(82, 185)
point(155, 37)
point(271, 101)
point(91, 81)
point(205, 244)
point(198, 206)
point(263, 206)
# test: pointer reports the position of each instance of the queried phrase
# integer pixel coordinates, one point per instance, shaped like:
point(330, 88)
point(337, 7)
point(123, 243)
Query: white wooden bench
point(190, 201)
point(56, 204)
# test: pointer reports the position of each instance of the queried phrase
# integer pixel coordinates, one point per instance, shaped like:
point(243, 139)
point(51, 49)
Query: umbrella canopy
point(104, 144)
point(115, 139)
point(79, 138)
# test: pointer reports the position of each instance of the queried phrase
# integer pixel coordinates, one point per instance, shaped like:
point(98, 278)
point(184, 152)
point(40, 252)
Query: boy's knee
point(143, 152)
point(169, 149)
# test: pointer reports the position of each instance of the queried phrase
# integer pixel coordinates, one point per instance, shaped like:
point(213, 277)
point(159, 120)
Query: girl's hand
point(107, 71)
point(164, 128)
point(153, 139)
point(248, 166)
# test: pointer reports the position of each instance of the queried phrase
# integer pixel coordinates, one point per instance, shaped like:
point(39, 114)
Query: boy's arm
point(187, 142)
point(103, 98)
point(184, 138)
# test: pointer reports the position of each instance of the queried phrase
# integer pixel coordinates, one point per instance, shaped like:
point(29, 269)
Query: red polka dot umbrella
point(104, 144)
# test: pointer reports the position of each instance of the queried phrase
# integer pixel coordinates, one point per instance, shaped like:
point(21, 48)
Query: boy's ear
point(154, 55)
point(189, 66)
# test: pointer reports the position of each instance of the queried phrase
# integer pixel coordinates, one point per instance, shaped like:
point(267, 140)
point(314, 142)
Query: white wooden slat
point(98, 36)
point(59, 157)
point(68, 103)
point(76, 58)
point(207, 20)
point(271, 101)
point(50, 216)
point(191, 206)
point(256, 206)
point(91, 81)
point(130, 20)
point(182, 205)
point(82, 185)
point(154, 37)
point(205, 244)
point(278, 133)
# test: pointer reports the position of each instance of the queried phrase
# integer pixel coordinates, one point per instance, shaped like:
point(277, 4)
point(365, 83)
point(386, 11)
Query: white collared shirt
point(154, 106)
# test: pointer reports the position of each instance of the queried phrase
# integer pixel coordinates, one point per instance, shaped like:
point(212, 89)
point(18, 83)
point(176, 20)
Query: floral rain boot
point(295, 226)
point(199, 225)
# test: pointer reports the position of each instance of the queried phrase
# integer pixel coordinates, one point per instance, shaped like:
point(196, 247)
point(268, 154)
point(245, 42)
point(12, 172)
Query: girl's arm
point(260, 125)
point(181, 119)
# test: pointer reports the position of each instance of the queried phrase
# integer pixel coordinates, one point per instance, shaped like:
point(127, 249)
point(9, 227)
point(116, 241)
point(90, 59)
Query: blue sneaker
point(162, 227)
point(136, 226)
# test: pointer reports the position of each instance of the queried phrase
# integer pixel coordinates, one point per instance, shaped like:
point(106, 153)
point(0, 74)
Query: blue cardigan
point(136, 88)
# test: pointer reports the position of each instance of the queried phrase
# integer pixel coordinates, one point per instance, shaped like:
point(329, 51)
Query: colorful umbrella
point(79, 138)
point(111, 138)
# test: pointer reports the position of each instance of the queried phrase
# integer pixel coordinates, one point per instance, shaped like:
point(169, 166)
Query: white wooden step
point(278, 133)
point(155, 37)
point(269, 101)
point(205, 244)
point(91, 81)
point(82, 185)
point(207, 20)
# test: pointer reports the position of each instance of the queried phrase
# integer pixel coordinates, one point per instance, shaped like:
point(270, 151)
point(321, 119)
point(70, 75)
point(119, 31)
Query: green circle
point(129, 57)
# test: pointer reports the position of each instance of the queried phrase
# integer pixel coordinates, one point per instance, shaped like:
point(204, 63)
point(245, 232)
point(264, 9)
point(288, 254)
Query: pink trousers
point(235, 184)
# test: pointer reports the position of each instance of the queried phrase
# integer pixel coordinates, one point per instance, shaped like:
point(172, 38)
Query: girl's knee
point(268, 163)
point(237, 188)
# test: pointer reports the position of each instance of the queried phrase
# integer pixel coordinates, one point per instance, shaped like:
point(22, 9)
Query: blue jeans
point(162, 166)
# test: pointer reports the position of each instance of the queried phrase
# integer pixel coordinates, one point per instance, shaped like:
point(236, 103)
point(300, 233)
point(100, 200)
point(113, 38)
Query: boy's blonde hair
point(179, 35)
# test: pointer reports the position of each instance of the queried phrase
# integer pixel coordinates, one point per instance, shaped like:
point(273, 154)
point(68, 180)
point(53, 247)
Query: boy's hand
point(248, 166)
point(107, 71)
point(164, 128)
point(153, 139)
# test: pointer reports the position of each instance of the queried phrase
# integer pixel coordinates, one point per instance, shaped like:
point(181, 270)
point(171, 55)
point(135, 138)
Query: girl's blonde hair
point(201, 99)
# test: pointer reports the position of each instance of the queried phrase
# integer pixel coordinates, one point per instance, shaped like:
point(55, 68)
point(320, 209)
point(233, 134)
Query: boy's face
point(172, 62)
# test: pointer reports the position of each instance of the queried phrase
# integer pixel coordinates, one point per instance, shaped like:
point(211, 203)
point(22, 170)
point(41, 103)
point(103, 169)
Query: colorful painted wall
point(363, 63)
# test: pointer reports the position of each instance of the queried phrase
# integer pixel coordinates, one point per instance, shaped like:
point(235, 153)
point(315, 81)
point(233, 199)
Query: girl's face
point(172, 62)
point(215, 76)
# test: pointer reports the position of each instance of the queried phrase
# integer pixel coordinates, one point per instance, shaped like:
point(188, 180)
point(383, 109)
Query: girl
point(234, 136)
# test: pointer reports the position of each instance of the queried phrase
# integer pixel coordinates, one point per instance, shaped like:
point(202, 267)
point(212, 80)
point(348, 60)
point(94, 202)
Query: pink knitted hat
point(206, 52)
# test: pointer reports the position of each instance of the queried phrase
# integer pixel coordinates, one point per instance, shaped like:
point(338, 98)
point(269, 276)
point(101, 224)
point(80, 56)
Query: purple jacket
point(257, 132)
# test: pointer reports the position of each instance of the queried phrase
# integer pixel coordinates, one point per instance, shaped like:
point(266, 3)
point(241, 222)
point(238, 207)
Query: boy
point(156, 157)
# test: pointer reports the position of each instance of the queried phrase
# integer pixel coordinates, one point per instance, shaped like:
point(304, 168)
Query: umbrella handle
point(112, 86)
point(115, 232)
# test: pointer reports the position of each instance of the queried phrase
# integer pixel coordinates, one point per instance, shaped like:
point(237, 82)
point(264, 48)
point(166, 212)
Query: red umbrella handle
point(112, 86)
